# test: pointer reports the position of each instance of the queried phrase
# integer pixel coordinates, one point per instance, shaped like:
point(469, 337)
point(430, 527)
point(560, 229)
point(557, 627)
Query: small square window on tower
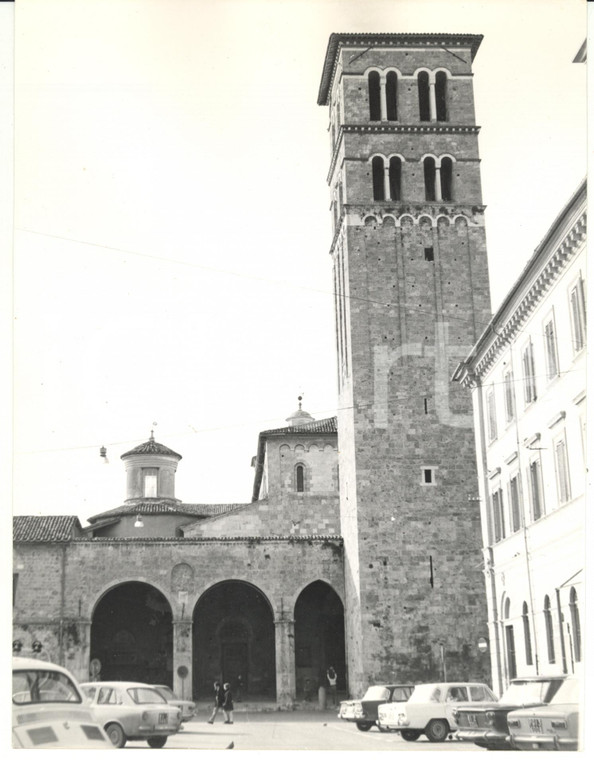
point(429, 253)
point(428, 476)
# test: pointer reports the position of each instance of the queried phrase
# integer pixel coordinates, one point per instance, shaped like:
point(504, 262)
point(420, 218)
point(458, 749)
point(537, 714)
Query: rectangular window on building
point(552, 361)
point(577, 307)
point(428, 476)
point(529, 375)
point(150, 475)
point(497, 509)
point(514, 503)
point(508, 390)
point(491, 415)
point(562, 470)
point(536, 492)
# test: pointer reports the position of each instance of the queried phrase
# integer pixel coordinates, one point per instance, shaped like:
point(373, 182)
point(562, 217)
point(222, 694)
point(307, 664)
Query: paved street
point(295, 731)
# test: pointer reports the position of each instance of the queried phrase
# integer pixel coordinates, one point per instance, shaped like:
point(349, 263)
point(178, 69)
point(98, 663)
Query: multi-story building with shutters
point(527, 374)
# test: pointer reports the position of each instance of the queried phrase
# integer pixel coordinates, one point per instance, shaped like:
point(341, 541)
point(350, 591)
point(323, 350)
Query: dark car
point(485, 723)
point(363, 712)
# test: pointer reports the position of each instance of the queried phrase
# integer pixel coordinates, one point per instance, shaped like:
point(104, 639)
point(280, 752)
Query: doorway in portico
point(234, 638)
point(132, 635)
point(319, 639)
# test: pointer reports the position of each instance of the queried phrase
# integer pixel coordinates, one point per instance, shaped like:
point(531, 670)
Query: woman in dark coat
point(228, 703)
point(218, 701)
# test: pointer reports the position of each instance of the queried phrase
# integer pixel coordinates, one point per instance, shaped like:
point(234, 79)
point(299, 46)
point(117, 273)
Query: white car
point(132, 711)
point(49, 710)
point(187, 707)
point(429, 709)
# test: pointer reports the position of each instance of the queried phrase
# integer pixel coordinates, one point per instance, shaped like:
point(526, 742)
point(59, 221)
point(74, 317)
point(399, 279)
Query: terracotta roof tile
point(151, 447)
point(45, 528)
point(166, 508)
point(328, 425)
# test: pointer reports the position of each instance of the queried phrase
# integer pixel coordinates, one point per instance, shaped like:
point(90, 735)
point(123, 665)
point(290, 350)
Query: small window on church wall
point(429, 171)
point(428, 476)
point(150, 483)
point(441, 83)
point(446, 178)
point(429, 253)
point(423, 86)
point(395, 178)
point(392, 96)
point(300, 478)
point(377, 167)
point(375, 113)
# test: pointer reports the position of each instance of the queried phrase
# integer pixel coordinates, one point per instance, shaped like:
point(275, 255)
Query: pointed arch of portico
point(90, 605)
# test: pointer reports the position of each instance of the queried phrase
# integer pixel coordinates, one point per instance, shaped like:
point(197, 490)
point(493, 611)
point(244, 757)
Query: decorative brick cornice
point(286, 539)
point(507, 332)
point(394, 40)
point(398, 129)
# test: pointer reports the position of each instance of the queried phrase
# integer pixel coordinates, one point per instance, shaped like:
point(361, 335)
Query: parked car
point(187, 707)
point(363, 712)
point(429, 709)
point(552, 726)
point(49, 710)
point(132, 711)
point(486, 724)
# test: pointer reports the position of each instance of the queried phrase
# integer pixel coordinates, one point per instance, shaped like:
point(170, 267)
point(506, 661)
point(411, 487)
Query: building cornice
point(397, 129)
point(314, 537)
point(551, 257)
point(391, 40)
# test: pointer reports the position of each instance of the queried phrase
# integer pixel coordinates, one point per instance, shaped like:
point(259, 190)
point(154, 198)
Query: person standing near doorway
point(218, 700)
point(228, 703)
point(332, 679)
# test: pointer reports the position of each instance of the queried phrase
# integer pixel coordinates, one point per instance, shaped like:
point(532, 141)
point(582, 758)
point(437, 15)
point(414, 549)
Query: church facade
point(361, 546)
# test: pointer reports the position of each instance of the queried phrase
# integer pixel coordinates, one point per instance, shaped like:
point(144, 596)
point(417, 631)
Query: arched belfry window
point(395, 178)
point(377, 167)
point(375, 108)
point(392, 96)
point(446, 174)
point(300, 478)
point(429, 172)
point(548, 618)
point(441, 107)
point(527, 640)
point(576, 629)
point(424, 96)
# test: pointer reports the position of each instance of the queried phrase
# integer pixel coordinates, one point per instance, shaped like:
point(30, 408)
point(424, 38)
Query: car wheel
point(364, 725)
point(116, 735)
point(437, 730)
point(409, 735)
point(156, 742)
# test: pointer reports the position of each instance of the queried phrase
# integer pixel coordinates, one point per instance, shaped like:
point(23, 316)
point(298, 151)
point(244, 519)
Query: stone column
point(437, 183)
point(383, 105)
point(387, 194)
point(182, 658)
point(285, 661)
point(432, 106)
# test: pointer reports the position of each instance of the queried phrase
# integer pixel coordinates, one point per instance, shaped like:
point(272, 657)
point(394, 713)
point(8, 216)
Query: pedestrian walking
point(332, 679)
point(218, 700)
point(228, 703)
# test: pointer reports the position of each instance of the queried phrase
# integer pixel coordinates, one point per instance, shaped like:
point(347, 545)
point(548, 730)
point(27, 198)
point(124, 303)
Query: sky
point(171, 237)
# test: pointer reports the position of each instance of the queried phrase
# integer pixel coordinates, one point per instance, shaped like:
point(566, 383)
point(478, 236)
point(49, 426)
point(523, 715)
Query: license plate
point(162, 718)
point(472, 721)
point(535, 725)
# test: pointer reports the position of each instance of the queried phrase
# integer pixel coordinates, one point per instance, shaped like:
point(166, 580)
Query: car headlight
point(513, 722)
point(490, 717)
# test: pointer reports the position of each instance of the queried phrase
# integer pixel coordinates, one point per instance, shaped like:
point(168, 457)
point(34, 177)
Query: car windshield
point(425, 693)
point(143, 695)
point(569, 692)
point(523, 692)
point(377, 693)
point(166, 692)
point(33, 686)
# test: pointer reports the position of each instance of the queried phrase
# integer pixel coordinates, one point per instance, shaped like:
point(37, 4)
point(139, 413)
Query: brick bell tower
point(412, 297)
